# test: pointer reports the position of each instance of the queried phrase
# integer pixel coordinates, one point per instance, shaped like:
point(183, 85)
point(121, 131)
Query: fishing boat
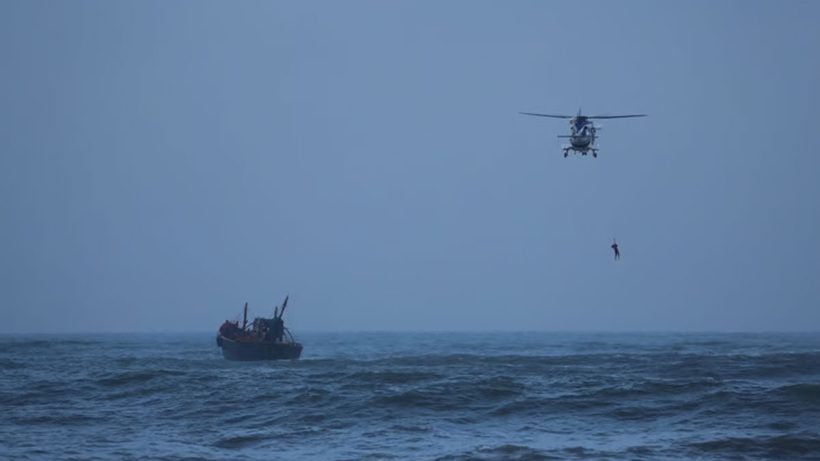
point(262, 339)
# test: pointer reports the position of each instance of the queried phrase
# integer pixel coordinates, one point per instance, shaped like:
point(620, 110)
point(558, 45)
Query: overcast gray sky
point(161, 163)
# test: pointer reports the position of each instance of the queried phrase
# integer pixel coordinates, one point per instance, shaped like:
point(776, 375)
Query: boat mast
point(245, 317)
point(284, 305)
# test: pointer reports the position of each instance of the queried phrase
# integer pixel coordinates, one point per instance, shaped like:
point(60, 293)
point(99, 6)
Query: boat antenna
point(276, 311)
point(245, 317)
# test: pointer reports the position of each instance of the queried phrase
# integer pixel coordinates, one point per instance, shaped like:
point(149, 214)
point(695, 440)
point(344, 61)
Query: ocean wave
point(655, 388)
point(39, 392)
point(506, 452)
point(765, 366)
point(410, 428)
point(449, 360)
point(140, 392)
point(779, 447)
point(26, 345)
point(388, 377)
point(633, 401)
point(453, 395)
point(57, 419)
point(803, 393)
point(14, 345)
point(668, 363)
point(9, 364)
point(523, 408)
point(309, 396)
point(135, 377)
point(242, 441)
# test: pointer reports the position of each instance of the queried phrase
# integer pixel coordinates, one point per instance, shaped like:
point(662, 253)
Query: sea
point(413, 396)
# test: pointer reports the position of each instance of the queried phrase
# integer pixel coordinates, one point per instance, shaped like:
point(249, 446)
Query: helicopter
point(583, 132)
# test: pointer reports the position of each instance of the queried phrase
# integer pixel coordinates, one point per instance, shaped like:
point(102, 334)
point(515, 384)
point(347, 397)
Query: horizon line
point(413, 331)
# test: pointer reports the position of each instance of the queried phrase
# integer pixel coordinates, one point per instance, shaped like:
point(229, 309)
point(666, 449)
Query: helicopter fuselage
point(580, 142)
point(582, 137)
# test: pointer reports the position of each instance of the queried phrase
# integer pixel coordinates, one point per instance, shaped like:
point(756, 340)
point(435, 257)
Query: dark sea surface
point(369, 396)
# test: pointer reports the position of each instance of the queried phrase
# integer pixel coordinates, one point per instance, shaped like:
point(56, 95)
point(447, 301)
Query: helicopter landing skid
point(582, 152)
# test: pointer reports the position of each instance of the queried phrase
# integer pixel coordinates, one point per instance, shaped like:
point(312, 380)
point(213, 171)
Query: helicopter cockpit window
point(579, 123)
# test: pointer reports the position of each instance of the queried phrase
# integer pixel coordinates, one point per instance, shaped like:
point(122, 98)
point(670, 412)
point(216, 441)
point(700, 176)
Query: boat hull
point(262, 350)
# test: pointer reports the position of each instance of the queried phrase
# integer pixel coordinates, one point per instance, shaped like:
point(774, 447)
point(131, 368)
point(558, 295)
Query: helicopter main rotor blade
point(615, 116)
point(546, 115)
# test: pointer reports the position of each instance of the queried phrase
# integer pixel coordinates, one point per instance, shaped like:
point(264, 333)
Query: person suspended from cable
point(615, 249)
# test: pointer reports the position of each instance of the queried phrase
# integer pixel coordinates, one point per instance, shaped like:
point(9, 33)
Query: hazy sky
point(163, 162)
